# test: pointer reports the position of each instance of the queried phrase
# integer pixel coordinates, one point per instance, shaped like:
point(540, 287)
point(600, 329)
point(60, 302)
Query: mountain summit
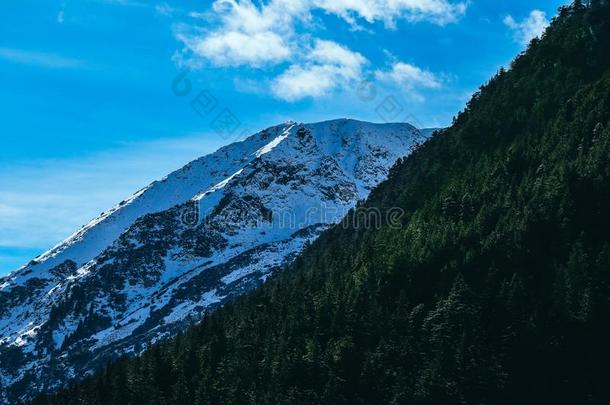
point(201, 236)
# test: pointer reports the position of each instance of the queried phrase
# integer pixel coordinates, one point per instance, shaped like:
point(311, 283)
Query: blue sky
point(94, 103)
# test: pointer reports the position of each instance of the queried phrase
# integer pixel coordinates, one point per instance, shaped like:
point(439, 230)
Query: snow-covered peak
point(174, 189)
point(183, 245)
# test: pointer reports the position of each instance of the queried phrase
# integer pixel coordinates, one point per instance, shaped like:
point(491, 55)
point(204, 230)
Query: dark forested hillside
point(495, 289)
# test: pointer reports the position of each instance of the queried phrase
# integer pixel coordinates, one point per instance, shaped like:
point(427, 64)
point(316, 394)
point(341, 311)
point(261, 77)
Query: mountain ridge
point(235, 216)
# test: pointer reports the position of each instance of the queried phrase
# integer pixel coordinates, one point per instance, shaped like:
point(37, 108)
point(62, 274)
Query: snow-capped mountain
point(181, 246)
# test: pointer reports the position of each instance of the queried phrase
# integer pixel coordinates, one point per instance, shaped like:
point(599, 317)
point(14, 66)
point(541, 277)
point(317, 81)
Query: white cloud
point(329, 52)
point(245, 33)
point(237, 48)
point(409, 79)
point(42, 59)
point(529, 28)
point(327, 66)
point(270, 29)
point(409, 76)
point(268, 34)
point(436, 11)
point(299, 82)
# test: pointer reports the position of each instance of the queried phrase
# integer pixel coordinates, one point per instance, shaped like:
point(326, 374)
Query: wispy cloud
point(126, 3)
point(529, 28)
point(43, 202)
point(164, 9)
point(42, 59)
point(409, 78)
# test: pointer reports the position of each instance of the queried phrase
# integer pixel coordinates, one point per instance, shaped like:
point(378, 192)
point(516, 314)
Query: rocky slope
point(184, 245)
